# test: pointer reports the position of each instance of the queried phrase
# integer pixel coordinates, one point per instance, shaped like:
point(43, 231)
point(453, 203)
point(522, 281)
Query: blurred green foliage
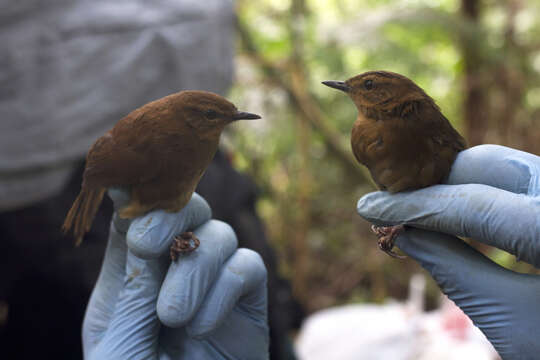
point(308, 186)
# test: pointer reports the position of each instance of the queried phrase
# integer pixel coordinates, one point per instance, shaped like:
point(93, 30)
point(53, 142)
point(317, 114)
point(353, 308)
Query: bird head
point(380, 90)
point(208, 113)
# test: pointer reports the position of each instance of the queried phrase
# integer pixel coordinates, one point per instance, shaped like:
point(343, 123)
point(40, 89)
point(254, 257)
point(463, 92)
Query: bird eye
point(368, 84)
point(210, 114)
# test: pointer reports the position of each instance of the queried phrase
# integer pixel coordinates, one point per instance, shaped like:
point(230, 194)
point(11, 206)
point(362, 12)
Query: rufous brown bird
point(158, 152)
point(400, 135)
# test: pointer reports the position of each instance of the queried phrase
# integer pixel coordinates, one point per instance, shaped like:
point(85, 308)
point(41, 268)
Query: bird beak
point(340, 85)
point(241, 115)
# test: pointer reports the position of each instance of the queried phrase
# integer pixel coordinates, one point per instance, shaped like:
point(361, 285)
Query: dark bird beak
point(241, 115)
point(340, 85)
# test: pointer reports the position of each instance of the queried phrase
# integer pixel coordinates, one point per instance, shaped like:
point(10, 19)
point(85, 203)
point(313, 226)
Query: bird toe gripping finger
point(386, 237)
point(184, 243)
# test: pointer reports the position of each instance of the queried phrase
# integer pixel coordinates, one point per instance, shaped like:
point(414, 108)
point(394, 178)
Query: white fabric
point(393, 331)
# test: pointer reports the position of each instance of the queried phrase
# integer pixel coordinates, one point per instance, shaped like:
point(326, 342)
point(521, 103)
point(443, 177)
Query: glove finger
point(151, 236)
point(242, 281)
point(498, 166)
point(496, 217)
point(190, 277)
point(111, 280)
point(120, 198)
point(134, 327)
point(500, 302)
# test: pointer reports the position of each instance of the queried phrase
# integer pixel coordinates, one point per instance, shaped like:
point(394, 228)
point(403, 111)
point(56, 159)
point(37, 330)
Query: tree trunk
point(475, 106)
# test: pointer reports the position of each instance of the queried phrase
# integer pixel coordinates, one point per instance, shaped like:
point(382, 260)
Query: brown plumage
point(400, 134)
point(158, 152)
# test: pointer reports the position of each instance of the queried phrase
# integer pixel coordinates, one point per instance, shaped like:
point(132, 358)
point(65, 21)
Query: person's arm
point(208, 304)
point(492, 195)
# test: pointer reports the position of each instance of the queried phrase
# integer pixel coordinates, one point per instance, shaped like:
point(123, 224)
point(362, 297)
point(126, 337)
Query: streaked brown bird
point(400, 135)
point(159, 153)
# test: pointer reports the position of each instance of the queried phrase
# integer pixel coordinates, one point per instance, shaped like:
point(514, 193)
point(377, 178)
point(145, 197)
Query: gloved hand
point(492, 195)
point(210, 304)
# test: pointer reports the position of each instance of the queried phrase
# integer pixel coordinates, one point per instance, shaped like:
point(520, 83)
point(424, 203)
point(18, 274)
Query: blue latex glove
point(210, 304)
point(492, 196)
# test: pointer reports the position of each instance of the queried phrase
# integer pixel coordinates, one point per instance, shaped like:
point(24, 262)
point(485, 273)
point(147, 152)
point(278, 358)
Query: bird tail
point(79, 218)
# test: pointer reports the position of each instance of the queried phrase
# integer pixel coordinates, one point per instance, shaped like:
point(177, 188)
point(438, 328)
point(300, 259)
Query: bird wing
point(439, 129)
point(361, 136)
point(404, 153)
point(443, 144)
point(118, 158)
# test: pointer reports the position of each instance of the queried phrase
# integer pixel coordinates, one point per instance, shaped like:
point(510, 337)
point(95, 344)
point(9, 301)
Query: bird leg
point(184, 243)
point(387, 236)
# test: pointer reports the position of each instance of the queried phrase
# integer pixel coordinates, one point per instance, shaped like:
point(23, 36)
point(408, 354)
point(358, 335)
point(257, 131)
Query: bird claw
point(386, 237)
point(183, 244)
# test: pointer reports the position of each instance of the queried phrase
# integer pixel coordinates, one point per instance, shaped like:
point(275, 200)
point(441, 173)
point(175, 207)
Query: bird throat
point(373, 113)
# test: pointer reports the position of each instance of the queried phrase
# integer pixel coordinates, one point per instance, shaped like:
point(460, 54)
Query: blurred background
point(480, 61)
point(71, 69)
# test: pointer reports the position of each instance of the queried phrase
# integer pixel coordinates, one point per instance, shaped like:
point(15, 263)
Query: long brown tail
point(80, 216)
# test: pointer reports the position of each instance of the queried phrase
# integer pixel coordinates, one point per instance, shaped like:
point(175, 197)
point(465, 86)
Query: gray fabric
point(70, 69)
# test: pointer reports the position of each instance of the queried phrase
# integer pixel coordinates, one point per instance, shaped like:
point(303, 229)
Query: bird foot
point(387, 236)
point(184, 243)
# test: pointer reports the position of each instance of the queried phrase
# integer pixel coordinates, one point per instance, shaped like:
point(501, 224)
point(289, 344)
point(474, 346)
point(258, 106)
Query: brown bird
point(159, 153)
point(400, 135)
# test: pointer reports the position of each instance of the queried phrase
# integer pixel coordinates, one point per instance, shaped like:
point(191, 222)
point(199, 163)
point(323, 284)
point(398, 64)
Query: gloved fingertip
point(151, 235)
point(119, 196)
point(243, 278)
point(249, 265)
point(121, 225)
point(170, 314)
point(361, 205)
point(141, 237)
point(218, 305)
point(198, 209)
point(365, 206)
point(188, 293)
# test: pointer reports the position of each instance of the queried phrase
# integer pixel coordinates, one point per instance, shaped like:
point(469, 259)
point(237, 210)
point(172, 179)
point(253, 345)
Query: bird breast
point(398, 154)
